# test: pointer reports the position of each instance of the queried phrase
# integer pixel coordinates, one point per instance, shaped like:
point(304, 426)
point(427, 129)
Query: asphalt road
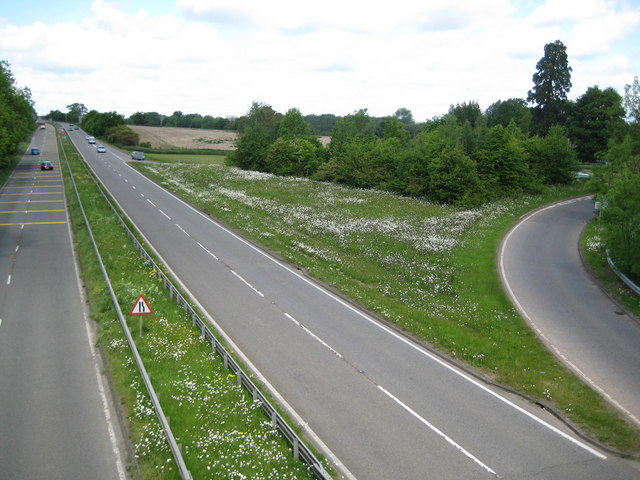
point(379, 404)
point(542, 269)
point(54, 412)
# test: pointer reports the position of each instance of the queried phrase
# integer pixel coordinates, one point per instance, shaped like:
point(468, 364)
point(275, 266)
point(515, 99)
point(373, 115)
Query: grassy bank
point(191, 158)
point(429, 269)
point(224, 434)
point(595, 256)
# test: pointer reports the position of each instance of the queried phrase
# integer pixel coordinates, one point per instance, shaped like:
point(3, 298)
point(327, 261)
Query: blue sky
point(216, 57)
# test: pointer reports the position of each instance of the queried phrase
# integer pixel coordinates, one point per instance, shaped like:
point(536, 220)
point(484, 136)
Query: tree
point(75, 111)
point(358, 124)
point(631, 100)
point(464, 112)
point(503, 112)
point(453, 178)
point(552, 158)
point(258, 130)
point(17, 116)
point(97, 123)
point(122, 135)
point(595, 118)
point(551, 83)
point(293, 125)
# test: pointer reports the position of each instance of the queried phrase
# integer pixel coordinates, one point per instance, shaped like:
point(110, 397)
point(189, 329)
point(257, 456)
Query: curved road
point(379, 404)
point(542, 270)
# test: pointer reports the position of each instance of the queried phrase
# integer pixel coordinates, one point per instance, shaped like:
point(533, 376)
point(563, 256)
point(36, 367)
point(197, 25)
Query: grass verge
point(594, 254)
point(429, 269)
point(224, 434)
point(191, 158)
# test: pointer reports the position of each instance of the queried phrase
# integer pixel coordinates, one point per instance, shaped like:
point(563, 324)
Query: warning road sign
point(141, 307)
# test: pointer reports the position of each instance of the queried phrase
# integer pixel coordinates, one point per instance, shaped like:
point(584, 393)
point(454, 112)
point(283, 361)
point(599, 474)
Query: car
point(43, 126)
point(582, 175)
point(46, 165)
point(101, 149)
point(87, 137)
point(137, 155)
point(35, 151)
point(92, 140)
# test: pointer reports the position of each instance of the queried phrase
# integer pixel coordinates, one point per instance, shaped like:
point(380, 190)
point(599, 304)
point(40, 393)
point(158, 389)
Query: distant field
point(195, 138)
point(186, 158)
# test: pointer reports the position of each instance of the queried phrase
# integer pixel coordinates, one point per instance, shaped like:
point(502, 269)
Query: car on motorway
point(137, 155)
point(35, 151)
point(101, 149)
point(582, 175)
point(46, 165)
point(91, 140)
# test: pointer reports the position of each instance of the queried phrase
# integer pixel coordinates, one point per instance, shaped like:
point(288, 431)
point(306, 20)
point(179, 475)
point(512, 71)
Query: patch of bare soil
point(167, 137)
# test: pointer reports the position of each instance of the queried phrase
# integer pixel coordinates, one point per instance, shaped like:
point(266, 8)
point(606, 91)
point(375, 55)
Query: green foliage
point(551, 83)
point(514, 109)
point(75, 111)
point(595, 118)
point(57, 116)
point(98, 124)
point(502, 162)
point(17, 116)
point(618, 183)
point(122, 135)
point(454, 178)
point(258, 130)
point(552, 158)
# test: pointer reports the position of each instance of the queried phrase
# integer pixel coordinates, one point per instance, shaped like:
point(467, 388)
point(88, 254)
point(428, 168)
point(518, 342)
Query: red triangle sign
point(141, 307)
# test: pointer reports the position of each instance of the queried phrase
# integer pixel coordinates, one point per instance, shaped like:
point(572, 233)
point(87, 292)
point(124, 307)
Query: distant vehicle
point(101, 149)
point(582, 175)
point(92, 140)
point(35, 151)
point(42, 126)
point(137, 155)
point(87, 137)
point(46, 166)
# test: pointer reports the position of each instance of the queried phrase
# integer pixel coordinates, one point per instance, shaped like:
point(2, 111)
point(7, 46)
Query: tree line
point(17, 115)
point(464, 157)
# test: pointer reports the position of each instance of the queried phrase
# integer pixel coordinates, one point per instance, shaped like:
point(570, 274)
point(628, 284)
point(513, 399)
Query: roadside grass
point(190, 158)
point(429, 269)
point(223, 432)
point(594, 254)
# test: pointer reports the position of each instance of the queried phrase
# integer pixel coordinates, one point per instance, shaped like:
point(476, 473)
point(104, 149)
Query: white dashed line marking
point(165, 215)
point(313, 335)
point(183, 230)
point(205, 249)
point(151, 202)
point(248, 284)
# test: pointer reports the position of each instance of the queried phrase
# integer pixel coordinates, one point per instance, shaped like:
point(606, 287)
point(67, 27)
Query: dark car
point(35, 151)
point(46, 166)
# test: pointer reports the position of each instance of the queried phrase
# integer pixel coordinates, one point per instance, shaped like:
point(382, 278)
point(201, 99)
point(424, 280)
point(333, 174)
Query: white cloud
point(217, 57)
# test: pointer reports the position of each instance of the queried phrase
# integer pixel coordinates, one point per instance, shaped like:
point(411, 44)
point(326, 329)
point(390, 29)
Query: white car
point(101, 149)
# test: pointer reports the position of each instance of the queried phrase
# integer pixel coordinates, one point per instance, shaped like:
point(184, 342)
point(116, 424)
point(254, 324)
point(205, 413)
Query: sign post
point(141, 307)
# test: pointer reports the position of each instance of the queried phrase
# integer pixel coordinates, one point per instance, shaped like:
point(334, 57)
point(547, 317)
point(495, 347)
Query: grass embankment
point(429, 269)
point(224, 434)
point(595, 256)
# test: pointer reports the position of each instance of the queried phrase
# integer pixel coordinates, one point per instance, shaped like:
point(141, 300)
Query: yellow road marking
point(30, 223)
point(34, 201)
point(32, 193)
point(30, 211)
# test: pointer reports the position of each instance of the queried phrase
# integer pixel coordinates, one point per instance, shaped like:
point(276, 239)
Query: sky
point(216, 57)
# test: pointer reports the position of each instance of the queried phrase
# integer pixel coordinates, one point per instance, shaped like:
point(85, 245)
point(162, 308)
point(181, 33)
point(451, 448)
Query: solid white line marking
point(165, 215)
point(205, 249)
point(313, 335)
point(151, 202)
point(432, 427)
point(248, 284)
